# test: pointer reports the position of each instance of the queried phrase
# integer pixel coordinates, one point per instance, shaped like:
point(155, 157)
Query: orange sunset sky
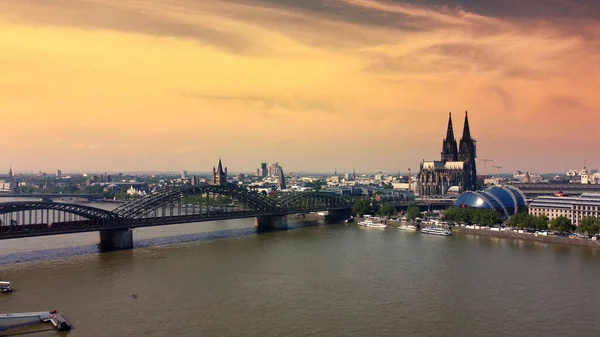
point(314, 84)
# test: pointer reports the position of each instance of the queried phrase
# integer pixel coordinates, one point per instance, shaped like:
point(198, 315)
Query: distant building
point(132, 191)
point(262, 171)
point(58, 174)
point(281, 179)
point(573, 208)
point(273, 170)
point(10, 174)
point(219, 175)
point(457, 166)
point(184, 174)
point(194, 180)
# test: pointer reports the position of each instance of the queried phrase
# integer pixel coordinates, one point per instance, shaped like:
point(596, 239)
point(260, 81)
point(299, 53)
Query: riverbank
point(528, 237)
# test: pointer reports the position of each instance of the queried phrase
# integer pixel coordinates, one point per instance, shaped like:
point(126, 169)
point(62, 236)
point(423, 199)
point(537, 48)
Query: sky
point(317, 85)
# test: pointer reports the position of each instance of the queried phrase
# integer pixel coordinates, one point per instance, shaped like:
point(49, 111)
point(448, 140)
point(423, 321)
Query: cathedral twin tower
point(457, 169)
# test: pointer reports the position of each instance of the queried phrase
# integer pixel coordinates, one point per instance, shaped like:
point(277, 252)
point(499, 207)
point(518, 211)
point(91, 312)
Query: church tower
point(468, 153)
point(219, 175)
point(449, 148)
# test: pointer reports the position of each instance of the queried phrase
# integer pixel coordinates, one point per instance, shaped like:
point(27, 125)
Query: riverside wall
point(528, 237)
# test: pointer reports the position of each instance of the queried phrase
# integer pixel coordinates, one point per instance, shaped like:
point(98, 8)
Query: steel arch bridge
point(300, 201)
point(164, 207)
point(93, 214)
point(198, 195)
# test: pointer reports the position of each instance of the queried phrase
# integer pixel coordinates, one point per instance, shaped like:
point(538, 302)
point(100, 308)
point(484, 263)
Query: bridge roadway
point(165, 207)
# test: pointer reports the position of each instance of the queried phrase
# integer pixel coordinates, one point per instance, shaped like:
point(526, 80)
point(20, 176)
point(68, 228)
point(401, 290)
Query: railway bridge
point(165, 207)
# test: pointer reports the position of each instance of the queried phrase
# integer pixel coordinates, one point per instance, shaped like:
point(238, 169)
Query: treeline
point(485, 217)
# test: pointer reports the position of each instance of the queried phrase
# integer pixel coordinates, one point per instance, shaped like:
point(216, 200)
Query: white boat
point(373, 222)
point(435, 230)
point(409, 227)
point(5, 287)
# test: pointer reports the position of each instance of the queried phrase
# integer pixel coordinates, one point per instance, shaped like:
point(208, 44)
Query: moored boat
point(373, 222)
point(409, 227)
point(437, 230)
point(5, 287)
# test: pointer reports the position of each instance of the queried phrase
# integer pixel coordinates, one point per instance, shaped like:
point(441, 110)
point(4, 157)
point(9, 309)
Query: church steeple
point(466, 130)
point(219, 175)
point(467, 153)
point(449, 147)
point(450, 130)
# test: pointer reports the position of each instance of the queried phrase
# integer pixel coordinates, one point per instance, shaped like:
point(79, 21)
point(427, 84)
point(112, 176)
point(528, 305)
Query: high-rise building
point(184, 174)
point(10, 174)
point(281, 179)
point(194, 180)
point(58, 174)
point(274, 170)
point(263, 170)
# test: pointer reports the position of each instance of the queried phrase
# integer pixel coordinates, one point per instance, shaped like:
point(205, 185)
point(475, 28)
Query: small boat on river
point(437, 228)
point(373, 222)
point(409, 227)
point(5, 287)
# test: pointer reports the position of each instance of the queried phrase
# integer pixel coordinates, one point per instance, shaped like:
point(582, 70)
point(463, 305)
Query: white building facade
point(573, 208)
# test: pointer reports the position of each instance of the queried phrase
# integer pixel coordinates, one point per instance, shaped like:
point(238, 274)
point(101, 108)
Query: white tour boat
point(409, 227)
point(373, 222)
point(436, 230)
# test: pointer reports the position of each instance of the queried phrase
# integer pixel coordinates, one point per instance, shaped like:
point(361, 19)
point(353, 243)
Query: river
point(223, 279)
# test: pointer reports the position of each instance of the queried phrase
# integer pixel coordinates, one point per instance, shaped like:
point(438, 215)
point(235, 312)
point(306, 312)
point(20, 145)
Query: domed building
point(505, 200)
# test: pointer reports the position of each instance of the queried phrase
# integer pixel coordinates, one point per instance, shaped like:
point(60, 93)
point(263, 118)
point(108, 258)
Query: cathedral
point(456, 171)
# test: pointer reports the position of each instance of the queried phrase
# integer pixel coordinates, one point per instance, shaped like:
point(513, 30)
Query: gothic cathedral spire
point(466, 131)
point(467, 153)
point(449, 148)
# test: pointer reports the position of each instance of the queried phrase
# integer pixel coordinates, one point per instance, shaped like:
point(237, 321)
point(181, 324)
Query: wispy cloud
point(306, 71)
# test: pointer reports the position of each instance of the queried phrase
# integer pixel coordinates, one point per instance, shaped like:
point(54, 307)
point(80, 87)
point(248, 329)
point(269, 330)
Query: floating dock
point(8, 321)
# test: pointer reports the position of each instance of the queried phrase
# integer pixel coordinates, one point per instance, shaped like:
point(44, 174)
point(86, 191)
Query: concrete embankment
point(528, 237)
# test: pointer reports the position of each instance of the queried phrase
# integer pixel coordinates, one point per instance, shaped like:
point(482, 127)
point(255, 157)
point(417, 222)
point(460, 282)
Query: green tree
point(588, 225)
point(387, 210)
point(541, 222)
point(488, 217)
point(413, 212)
point(361, 207)
point(316, 185)
point(561, 224)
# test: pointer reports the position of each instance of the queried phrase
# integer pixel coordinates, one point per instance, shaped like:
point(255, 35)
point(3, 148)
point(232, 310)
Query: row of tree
point(485, 217)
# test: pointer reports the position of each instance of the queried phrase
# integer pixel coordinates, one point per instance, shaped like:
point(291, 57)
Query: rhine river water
point(223, 279)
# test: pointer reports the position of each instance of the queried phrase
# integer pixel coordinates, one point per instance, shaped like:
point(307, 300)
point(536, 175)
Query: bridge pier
point(271, 222)
point(337, 216)
point(116, 239)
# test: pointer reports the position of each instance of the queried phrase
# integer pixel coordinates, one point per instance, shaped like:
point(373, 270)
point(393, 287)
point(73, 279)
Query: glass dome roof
point(505, 200)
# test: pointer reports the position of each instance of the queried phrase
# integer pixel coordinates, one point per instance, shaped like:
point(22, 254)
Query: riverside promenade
point(529, 237)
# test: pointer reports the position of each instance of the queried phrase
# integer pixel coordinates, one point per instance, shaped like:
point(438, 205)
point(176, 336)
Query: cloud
point(294, 105)
point(310, 72)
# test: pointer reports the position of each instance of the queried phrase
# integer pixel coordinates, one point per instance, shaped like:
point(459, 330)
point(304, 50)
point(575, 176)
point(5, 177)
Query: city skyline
point(317, 86)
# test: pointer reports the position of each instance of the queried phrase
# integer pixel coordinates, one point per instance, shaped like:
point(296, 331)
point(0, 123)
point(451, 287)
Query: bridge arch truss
point(312, 201)
point(197, 201)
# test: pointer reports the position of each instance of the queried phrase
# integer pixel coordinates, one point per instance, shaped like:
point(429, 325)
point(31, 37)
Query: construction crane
point(485, 161)
point(497, 167)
